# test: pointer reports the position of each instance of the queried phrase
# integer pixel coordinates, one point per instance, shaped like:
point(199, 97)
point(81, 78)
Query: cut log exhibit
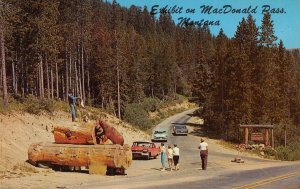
point(116, 156)
point(87, 133)
point(111, 133)
point(75, 134)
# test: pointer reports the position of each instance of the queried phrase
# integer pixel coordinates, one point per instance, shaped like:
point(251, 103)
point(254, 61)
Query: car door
point(155, 150)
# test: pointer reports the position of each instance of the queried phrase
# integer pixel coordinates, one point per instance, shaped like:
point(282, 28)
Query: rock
point(261, 147)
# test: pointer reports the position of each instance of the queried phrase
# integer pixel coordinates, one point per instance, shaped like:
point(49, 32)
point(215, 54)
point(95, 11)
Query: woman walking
point(163, 156)
point(170, 157)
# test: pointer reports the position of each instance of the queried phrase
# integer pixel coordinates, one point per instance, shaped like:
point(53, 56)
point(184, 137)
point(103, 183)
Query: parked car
point(142, 149)
point(180, 130)
point(160, 135)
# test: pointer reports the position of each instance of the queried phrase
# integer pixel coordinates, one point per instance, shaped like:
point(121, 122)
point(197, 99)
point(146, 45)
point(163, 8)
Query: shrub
point(35, 106)
point(290, 153)
point(136, 115)
point(151, 104)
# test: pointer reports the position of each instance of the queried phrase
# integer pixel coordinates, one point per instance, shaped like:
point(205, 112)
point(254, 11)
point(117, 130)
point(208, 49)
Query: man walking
point(203, 153)
point(176, 157)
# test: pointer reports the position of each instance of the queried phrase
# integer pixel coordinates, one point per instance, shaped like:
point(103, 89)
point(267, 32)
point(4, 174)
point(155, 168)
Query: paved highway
point(221, 172)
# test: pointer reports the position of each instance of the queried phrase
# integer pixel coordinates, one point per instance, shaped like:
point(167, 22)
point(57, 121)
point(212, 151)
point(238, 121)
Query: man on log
point(72, 103)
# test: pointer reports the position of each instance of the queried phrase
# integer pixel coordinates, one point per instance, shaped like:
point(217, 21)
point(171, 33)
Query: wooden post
point(267, 142)
point(285, 136)
point(246, 135)
point(272, 138)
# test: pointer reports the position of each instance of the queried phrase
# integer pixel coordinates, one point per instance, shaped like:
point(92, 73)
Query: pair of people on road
point(172, 156)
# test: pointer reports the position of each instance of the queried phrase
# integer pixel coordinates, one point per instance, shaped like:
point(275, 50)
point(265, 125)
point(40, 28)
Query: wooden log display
point(75, 134)
point(111, 155)
point(111, 133)
point(87, 133)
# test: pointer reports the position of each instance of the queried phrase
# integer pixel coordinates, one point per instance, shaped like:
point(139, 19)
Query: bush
point(290, 153)
point(151, 104)
point(136, 115)
point(35, 106)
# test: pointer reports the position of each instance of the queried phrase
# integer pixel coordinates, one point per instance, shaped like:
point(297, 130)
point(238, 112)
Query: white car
point(160, 135)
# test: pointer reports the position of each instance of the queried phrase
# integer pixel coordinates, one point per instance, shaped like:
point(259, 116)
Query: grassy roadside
point(290, 153)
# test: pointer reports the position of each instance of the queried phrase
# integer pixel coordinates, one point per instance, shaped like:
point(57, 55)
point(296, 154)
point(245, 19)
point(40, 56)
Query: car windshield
point(144, 144)
point(180, 127)
point(159, 132)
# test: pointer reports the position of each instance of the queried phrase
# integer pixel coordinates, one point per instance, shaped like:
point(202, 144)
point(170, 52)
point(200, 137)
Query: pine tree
point(267, 37)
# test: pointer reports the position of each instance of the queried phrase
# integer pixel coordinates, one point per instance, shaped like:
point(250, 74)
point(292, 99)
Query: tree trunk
point(82, 74)
point(62, 83)
point(80, 155)
point(52, 81)
point(13, 76)
point(70, 79)
point(89, 87)
point(76, 77)
point(75, 134)
point(23, 79)
point(56, 73)
point(48, 79)
point(67, 76)
point(42, 78)
point(3, 66)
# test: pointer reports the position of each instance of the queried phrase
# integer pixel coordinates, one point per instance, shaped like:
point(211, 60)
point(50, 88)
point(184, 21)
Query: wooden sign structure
point(257, 136)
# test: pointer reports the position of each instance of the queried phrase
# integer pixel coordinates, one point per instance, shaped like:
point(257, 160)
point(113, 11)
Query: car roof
point(142, 142)
point(160, 130)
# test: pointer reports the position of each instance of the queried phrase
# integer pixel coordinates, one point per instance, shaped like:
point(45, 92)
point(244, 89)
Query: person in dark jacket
point(72, 102)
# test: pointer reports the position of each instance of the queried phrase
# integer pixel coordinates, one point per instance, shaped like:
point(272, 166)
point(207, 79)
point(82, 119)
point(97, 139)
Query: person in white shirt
point(203, 153)
point(170, 157)
point(176, 157)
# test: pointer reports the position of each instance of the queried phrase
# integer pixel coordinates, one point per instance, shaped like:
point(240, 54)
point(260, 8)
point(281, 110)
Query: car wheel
point(148, 157)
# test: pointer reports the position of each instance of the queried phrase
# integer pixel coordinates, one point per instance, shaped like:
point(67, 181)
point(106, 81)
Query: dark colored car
point(180, 130)
point(144, 149)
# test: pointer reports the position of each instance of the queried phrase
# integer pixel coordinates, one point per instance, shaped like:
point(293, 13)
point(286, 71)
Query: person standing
point(72, 103)
point(170, 157)
point(163, 156)
point(176, 157)
point(203, 153)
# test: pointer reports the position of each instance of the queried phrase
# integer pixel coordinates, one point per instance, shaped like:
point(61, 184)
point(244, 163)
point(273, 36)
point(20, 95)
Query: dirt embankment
point(19, 130)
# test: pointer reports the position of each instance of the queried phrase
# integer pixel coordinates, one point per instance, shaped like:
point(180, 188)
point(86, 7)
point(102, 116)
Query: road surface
point(221, 172)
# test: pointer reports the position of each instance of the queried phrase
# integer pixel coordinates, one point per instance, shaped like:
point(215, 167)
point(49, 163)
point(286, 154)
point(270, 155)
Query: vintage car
point(180, 130)
point(160, 135)
point(146, 150)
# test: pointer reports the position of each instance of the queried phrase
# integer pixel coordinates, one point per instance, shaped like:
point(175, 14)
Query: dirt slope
point(19, 130)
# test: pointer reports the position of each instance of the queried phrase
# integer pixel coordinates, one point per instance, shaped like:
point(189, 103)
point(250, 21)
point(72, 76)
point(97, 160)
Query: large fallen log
point(87, 133)
point(75, 134)
point(112, 155)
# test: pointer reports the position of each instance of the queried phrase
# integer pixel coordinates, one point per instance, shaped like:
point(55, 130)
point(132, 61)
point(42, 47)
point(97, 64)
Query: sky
point(286, 24)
